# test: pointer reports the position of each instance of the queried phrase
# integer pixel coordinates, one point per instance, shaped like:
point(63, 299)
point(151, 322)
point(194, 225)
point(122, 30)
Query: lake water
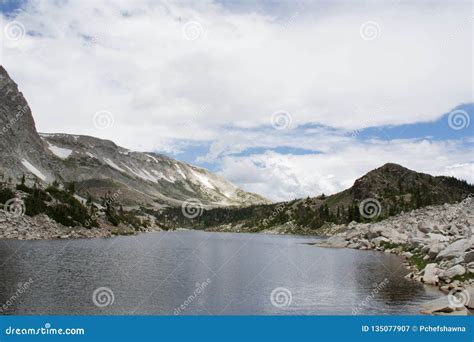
point(192, 272)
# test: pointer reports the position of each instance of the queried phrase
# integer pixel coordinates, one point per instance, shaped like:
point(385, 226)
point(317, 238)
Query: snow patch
point(33, 169)
point(149, 156)
point(115, 166)
point(204, 180)
point(180, 171)
point(60, 152)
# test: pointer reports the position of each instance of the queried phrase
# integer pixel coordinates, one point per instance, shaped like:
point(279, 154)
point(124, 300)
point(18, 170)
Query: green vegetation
point(395, 188)
point(391, 245)
point(62, 206)
point(466, 276)
point(5, 195)
point(417, 261)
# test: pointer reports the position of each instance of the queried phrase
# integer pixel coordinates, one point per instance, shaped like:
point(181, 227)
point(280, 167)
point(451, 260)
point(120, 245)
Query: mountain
point(381, 193)
point(98, 167)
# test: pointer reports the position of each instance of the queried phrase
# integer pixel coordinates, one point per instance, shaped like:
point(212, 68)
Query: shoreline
point(35, 231)
point(437, 244)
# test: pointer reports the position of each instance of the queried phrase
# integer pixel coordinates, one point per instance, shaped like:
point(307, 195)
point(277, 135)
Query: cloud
point(176, 75)
point(135, 60)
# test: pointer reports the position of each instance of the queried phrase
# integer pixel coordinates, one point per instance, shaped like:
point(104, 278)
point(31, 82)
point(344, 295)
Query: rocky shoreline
point(437, 242)
point(41, 227)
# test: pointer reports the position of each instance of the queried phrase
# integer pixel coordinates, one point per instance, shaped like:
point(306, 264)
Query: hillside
point(99, 167)
point(381, 193)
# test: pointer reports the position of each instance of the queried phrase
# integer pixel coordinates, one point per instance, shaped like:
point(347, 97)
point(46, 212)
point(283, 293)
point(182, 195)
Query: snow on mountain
point(100, 166)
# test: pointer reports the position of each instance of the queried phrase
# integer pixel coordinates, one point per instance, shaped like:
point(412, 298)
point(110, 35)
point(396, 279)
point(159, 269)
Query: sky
point(285, 99)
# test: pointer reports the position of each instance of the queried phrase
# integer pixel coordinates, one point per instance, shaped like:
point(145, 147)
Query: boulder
point(438, 237)
point(425, 227)
point(470, 267)
point(435, 248)
point(470, 297)
point(334, 242)
point(394, 236)
point(455, 249)
point(437, 306)
point(431, 274)
point(453, 271)
point(378, 240)
point(469, 257)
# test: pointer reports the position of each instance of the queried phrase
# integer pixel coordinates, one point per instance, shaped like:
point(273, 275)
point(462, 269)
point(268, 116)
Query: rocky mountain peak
point(99, 166)
point(20, 143)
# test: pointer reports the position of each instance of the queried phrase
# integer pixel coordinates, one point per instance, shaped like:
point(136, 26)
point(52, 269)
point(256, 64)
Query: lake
point(199, 273)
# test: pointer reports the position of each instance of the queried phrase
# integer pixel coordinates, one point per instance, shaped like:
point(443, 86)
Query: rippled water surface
point(191, 272)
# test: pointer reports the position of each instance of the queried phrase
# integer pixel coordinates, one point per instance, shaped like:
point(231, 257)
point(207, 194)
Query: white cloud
point(309, 61)
point(132, 59)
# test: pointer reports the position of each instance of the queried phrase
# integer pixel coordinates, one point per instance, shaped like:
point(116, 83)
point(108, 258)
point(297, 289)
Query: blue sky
point(286, 99)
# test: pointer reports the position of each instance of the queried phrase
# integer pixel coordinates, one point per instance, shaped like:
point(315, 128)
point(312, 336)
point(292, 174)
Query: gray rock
point(431, 273)
point(456, 249)
point(334, 242)
point(469, 257)
point(470, 267)
point(425, 227)
point(437, 306)
point(435, 248)
point(470, 297)
point(453, 271)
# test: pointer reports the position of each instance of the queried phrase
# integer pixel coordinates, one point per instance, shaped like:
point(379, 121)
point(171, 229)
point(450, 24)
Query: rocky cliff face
point(20, 144)
point(100, 166)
